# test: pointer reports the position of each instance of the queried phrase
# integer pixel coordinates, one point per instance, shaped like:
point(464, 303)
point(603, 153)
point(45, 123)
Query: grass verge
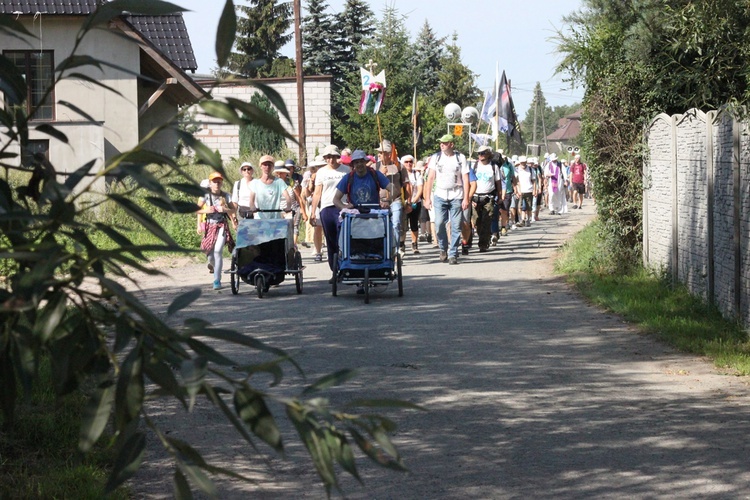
point(40, 458)
point(648, 300)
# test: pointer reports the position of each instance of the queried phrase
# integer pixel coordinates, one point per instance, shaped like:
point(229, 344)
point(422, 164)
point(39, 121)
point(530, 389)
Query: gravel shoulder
point(529, 390)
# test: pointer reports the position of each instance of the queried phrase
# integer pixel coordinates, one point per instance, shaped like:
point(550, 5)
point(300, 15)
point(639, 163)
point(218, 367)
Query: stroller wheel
point(399, 277)
point(367, 286)
point(334, 285)
point(234, 277)
point(260, 285)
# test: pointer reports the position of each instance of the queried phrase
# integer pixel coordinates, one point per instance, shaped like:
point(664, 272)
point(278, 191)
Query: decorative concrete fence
point(696, 206)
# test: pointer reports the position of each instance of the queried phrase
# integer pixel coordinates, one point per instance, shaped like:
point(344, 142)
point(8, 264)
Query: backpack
point(350, 178)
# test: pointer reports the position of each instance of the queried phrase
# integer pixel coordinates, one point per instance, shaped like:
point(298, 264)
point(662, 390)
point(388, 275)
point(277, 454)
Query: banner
point(373, 92)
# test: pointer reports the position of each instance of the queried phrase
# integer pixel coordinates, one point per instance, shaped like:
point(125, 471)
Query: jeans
point(329, 219)
point(397, 212)
point(495, 226)
point(446, 210)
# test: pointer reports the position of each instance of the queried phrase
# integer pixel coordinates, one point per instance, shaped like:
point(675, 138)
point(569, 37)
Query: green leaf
point(236, 422)
point(204, 154)
point(209, 353)
point(221, 110)
point(319, 453)
point(95, 416)
point(73, 179)
point(343, 453)
point(181, 486)
point(330, 380)
point(258, 116)
point(273, 96)
point(225, 33)
point(143, 218)
point(51, 316)
point(252, 409)
point(374, 453)
point(183, 300)
point(189, 189)
point(162, 375)
point(193, 373)
point(129, 395)
point(127, 462)
point(9, 26)
point(175, 206)
point(78, 110)
point(51, 131)
point(94, 81)
point(12, 83)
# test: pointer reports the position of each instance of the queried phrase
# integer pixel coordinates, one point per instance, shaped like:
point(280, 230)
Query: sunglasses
point(247, 169)
point(408, 161)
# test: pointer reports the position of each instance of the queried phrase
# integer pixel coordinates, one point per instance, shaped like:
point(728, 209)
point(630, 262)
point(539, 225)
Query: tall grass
point(649, 300)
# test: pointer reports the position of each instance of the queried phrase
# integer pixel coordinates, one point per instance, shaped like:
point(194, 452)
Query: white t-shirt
point(241, 193)
point(449, 171)
point(268, 197)
point(416, 180)
point(487, 175)
point(329, 178)
point(525, 179)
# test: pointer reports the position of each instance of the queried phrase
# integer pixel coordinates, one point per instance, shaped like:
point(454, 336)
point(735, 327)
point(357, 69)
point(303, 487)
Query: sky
point(510, 34)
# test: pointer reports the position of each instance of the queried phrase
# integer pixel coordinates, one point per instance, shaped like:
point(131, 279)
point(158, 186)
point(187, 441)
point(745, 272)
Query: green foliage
point(67, 251)
point(636, 59)
point(547, 117)
point(254, 137)
point(651, 302)
point(319, 41)
point(263, 28)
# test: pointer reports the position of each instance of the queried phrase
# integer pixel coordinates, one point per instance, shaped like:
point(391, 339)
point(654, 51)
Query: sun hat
point(280, 169)
point(407, 158)
point(317, 162)
point(246, 164)
point(484, 149)
point(266, 159)
point(371, 158)
point(522, 159)
point(215, 175)
point(345, 159)
point(331, 150)
point(446, 138)
point(204, 184)
point(553, 157)
point(385, 146)
point(290, 163)
point(358, 154)
point(419, 166)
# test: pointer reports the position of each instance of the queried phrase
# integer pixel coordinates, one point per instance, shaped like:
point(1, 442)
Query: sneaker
point(453, 261)
point(422, 238)
point(210, 268)
point(504, 232)
point(415, 249)
point(580, 207)
point(318, 257)
point(402, 250)
point(429, 238)
point(493, 241)
point(575, 206)
point(552, 212)
point(443, 256)
point(464, 250)
point(483, 249)
point(360, 290)
point(514, 226)
point(217, 285)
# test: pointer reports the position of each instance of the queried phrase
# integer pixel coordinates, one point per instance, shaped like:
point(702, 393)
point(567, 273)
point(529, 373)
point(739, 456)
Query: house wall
point(116, 116)
point(226, 138)
point(697, 206)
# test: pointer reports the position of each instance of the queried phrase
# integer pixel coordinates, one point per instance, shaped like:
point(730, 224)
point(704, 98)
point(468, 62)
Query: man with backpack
point(362, 186)
point(399, 188)
point(449, 173)
point(488, 185)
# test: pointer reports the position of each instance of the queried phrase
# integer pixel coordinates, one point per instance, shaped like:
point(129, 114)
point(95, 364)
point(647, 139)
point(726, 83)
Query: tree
point(318, 37)
point(262, 30)
point(429, 51)
point(456, 80)
point(356, 24)
point(257, 138)
point(61, 301)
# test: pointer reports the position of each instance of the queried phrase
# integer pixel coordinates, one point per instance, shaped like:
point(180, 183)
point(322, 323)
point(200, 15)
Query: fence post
point(736, 126)
point(710, 117)
point(675, 215)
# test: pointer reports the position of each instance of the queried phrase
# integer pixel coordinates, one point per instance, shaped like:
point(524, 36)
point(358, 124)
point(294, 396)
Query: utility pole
point(536, 106)
point(301, 126)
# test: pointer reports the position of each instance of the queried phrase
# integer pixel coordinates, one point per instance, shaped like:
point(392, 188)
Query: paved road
point(531, 392)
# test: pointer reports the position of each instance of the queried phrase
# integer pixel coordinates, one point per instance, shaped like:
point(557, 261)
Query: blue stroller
point(264, 255)
point(367, 252)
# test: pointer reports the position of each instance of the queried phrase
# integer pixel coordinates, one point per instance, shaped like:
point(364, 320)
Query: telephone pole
point(301, 126)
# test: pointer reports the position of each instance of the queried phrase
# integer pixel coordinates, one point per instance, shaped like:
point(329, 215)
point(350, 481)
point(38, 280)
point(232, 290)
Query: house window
point(34, 147)
point(38, 71)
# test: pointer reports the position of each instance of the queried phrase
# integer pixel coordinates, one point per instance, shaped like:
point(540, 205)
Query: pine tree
point(318, 51)
point(456, 80)
point(263, 28)
point(429, 51)
point(356, 24)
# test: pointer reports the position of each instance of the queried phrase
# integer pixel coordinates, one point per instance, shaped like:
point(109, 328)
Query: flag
point(488, 108)
point(481, 139)
point(416, 122)
point(507, 118)
point(373, 92)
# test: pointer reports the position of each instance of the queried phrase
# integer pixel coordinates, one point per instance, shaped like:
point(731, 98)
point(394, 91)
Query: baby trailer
point(265, 254)
point(367, 252)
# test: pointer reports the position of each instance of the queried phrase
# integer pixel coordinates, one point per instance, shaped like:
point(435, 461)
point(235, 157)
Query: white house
point(150, 55)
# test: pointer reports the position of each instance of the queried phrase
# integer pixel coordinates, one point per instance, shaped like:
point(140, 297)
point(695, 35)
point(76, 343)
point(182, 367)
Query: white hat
point(521, 159)
point(419, 165)
point(385, 146)
point(482, 149)
point(553, 157)
point(407, 157)
point(317, 162)
point(331, 150)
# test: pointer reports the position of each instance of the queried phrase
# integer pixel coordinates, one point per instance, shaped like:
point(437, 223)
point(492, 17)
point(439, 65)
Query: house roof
point(569, 128)
point(167, 33)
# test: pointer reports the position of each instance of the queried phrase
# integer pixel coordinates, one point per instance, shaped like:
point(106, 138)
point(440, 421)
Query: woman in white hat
point(313, 234)
point(241, 193)
point(326, 180)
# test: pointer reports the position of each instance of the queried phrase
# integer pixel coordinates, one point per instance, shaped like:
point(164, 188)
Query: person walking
point(399, 189)
point(527, 187)
point(556, 186)
point(416, 181)
point(267, 191)
point(449, 173)
point(326, 179)
point(297, 207)
point(489, 183)
point(313, 233)
point(217, 206)
point(241, 193)
point(578, 179)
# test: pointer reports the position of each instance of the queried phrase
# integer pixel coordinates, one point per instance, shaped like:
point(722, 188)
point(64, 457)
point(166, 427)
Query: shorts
point(507, 202)
point(466, 219)
point(526, 201)
point(579, 187)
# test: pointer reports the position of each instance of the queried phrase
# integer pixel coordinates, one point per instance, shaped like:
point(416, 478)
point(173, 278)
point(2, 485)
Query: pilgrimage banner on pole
point(373, 92)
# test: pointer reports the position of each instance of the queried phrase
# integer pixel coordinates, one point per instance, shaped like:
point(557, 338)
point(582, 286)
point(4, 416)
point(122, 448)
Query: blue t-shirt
point(363, 190)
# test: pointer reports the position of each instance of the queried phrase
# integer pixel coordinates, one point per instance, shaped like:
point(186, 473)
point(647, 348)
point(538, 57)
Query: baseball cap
point(266, 159)
point(446, 138)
